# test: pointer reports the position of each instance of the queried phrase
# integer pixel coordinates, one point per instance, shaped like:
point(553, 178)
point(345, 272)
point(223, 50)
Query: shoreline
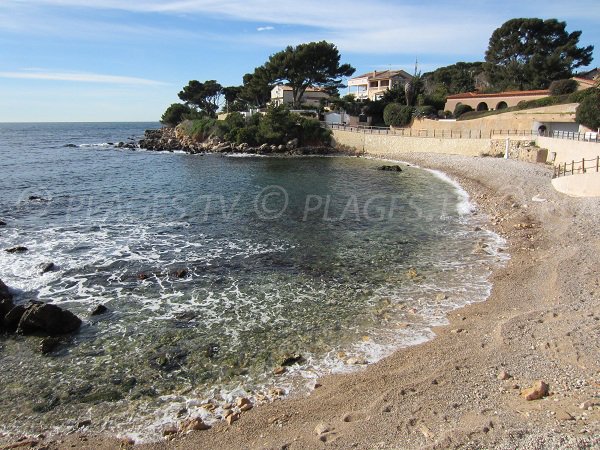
point(435, 393)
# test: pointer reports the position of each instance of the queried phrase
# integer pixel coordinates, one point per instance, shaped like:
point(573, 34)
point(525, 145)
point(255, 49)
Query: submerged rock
point(47, 267)
point(2, 223)
point(98, 310)
point(290, 360)
point(49, 344)
point(13, 317)
point(17, 249)
point(394, 168)
point(48, 319)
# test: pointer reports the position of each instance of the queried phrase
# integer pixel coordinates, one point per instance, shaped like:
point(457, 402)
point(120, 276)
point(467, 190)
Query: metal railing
point(577, 167)
point(464, 134)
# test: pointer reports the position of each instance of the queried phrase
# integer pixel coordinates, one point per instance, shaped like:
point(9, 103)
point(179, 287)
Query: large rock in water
point(48, 319)
point(4, 292)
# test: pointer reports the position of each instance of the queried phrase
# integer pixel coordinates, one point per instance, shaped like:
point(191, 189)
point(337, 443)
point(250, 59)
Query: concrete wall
point(388, 146)
point(567, 150)
point(585, 185)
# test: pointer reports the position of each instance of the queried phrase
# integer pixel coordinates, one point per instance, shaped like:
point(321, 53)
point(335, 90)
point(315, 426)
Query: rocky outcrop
point(171, 139)
point(47, 319)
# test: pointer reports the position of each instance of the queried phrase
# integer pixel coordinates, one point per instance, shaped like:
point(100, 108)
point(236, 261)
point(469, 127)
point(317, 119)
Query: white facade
point(282, 94)
point(373, 85)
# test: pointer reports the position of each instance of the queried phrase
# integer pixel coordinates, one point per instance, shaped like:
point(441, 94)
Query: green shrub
point(397, 115)
point(588, 112)
point(201, 129)
point(580, 96)
point(563, 87)
point(461, 109)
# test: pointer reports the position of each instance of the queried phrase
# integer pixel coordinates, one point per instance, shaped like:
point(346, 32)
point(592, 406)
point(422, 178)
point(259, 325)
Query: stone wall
point(389, 145)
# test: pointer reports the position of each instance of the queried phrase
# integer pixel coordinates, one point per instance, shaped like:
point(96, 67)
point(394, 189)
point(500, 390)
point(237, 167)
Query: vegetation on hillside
point(588, 112)
point(277, 126)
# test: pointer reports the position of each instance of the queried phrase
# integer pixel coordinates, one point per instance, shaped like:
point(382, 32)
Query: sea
point(216, 270)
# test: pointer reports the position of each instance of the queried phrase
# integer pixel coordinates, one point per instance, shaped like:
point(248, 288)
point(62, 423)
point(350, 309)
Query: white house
point(282, 94)
point(372, 85)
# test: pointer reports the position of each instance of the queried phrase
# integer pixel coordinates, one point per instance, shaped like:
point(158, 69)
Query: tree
point(455, 79)
point(175, 114)
point(316, 64)
point(461, 109)
point(397, 115)
point(531, 53)
point(257, 87)
point(231, 94)
point(588, 112)
point(203, 96)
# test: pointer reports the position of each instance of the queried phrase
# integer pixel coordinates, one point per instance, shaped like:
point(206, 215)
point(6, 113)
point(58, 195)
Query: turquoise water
point(214, 269)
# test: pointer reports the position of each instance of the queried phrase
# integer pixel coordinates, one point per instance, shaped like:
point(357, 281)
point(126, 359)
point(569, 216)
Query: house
point(372, 85)
point(282, 94)
point(487, 102)
point(587, 80)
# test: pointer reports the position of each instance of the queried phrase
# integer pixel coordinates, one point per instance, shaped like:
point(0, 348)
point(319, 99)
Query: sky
point(126, 60)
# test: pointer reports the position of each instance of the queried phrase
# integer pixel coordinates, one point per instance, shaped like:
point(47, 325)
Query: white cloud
point(378, 27)
point(81, 77)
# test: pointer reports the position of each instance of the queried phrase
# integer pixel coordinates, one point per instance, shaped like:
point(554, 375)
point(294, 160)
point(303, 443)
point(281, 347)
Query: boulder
point(537, 391)
point(2, 223)
point(49, 344)
point(47, 319)
point(291, 145)
point(290, 360)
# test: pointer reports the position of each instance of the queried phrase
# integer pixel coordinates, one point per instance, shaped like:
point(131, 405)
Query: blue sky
point(126, 60)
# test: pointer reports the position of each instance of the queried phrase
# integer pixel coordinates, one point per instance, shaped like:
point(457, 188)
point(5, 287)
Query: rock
point(395, 168)
point(13, 317)
point(212, 349)
point(290, 360)
point(195, 424)
point(47, 267)
point(441, 297)
point(279, 370)
point(17, 249)
point(589, 404)
point(504, 375)
point(2, 223)
point(170, 430)
point(180, 273)
point(322, 428)
point(536, 392)
point(5, 292)
point(49, 319)
point(242, 401)
point(36, 198)
point(291, 145)
point(233, 417)
point(277, 392)
point(98, 310)
point(84, 423)
point(356, 362)
point(49, 344)
point(142, 276)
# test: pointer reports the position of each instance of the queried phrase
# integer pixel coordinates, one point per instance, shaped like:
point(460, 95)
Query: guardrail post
point(597, 163)
point(573, 167)
point(583, 165)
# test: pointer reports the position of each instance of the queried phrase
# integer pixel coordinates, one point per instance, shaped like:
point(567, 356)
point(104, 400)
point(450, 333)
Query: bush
point(588, 112)
point(175, 114)
point(397, 115)
point(201, 129)
point(580, 96)
point(461, 109)
point(563, 87)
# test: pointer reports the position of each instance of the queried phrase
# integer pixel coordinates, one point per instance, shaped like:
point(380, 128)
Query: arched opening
point(482, 107)
point(501, 105)
point(542, 130)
